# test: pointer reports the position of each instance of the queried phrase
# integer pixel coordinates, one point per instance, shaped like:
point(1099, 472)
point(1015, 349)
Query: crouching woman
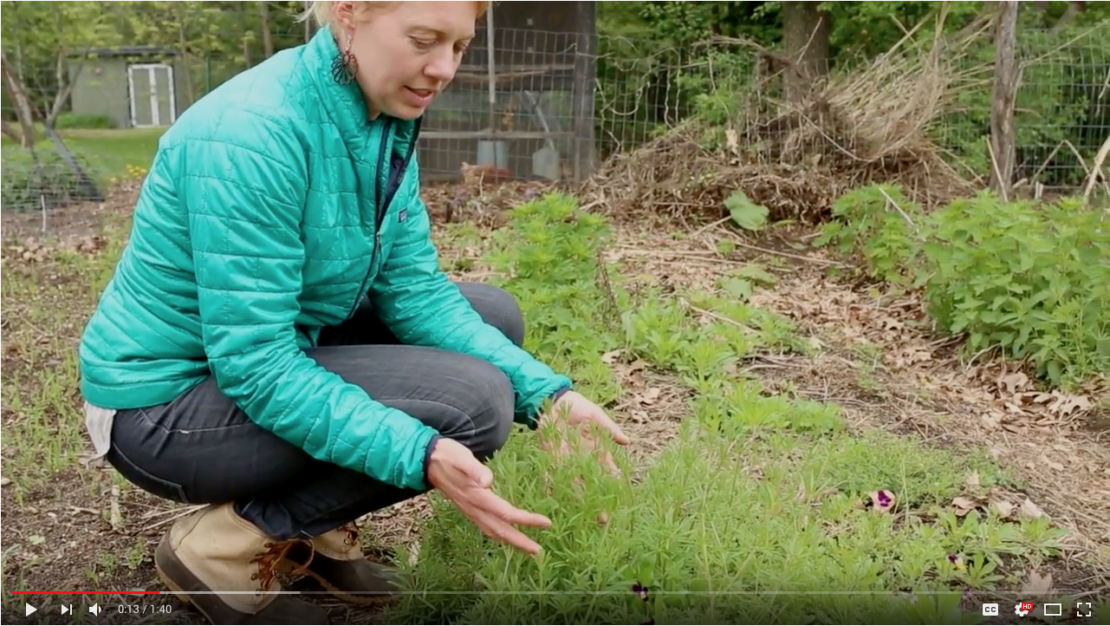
point(278, 344)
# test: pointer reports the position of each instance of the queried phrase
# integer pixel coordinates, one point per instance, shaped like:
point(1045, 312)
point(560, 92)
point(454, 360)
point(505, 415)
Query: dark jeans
point(200, 448)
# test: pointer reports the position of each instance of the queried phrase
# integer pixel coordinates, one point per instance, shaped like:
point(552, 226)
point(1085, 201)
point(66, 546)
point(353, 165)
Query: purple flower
point(884, 499)
point(640, 590)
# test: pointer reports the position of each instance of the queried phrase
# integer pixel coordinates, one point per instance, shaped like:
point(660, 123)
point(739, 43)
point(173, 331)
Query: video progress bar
point(87, 593)
point(429, 592)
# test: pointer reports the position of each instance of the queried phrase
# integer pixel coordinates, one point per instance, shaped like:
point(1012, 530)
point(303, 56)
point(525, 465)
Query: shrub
point(1030, 278)
point(90, 121)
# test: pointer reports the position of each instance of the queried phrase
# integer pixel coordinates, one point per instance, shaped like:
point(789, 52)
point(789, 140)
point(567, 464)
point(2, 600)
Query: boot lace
point(277, 553)
point(352, 536)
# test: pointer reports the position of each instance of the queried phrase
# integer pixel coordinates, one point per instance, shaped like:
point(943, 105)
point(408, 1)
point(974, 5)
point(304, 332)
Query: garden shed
point(134, 86)
point(524, 105)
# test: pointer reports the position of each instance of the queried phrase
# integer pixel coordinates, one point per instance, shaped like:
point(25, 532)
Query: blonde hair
point(320, 11)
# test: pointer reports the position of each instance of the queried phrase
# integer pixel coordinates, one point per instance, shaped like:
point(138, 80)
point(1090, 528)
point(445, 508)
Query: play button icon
point(30, 609)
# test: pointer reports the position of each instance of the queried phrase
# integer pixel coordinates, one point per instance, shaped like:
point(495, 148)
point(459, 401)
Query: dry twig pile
point(855, 127)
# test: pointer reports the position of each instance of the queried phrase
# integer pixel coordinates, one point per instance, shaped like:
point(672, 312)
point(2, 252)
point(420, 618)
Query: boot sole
point(361, 600)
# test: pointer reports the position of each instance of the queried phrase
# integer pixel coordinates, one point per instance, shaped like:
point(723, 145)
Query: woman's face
point(409, 53)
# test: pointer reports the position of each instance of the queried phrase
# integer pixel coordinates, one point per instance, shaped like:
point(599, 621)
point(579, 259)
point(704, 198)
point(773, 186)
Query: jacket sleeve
point(244, 199)
point(421, 306)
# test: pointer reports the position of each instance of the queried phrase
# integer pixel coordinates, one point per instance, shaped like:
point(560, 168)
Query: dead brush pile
point(856, 127)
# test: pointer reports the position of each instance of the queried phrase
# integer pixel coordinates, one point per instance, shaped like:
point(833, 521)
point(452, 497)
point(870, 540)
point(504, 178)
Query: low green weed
point(1031, 278)
point(762, 509)
point(768, 529)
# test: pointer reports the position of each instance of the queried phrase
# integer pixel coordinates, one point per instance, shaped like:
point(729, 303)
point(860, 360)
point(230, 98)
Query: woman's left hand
point(572, 410)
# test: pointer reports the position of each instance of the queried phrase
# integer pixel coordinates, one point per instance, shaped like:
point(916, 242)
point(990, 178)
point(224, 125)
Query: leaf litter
point(874, 354)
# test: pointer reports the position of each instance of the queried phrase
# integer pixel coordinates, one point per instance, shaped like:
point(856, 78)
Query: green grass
point(113, 152)
point(47, 305)
point(758, 510)
point(106, 156)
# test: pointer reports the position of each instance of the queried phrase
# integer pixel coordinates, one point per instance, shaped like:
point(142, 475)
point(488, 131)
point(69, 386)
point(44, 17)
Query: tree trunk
point(181, 14)
point(267, 36)
point(806, 31)
point(24, 110)
point(1006, 77)
point(10, 132)
point(65, 85)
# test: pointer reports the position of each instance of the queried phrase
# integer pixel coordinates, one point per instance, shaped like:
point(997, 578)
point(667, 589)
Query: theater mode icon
point(990, 609)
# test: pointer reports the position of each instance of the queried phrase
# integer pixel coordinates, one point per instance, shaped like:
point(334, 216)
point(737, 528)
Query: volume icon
point(95, 609)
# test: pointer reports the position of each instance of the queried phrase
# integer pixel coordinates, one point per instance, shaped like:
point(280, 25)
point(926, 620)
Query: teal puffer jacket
point(268, 212)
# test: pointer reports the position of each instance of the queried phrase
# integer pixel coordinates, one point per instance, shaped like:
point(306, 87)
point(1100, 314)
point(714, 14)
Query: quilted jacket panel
point(268, 212)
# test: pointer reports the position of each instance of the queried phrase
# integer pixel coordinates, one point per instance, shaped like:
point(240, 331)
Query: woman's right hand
point(459, 475)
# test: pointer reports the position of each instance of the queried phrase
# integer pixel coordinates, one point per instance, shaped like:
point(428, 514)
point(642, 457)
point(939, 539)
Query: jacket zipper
point(382, 208)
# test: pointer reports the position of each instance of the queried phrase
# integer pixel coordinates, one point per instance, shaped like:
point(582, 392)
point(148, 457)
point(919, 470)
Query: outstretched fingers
point(611, 427)
point(497, 519)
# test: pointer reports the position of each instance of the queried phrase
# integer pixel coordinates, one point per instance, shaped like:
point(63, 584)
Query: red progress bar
point(88, 593)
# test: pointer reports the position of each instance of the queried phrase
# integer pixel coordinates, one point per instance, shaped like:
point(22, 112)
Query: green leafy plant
point(747, 214)
point(879, 223)
point(1029, 278)
point(1033, 279)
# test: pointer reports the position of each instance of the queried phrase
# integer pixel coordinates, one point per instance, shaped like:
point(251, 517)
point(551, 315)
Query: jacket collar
point(345, 105)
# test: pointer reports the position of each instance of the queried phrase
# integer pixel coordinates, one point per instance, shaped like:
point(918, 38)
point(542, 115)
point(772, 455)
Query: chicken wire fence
point(555, 113)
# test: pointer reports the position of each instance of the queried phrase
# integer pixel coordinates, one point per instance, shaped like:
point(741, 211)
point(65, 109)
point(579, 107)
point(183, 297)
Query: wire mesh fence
point(555, 111)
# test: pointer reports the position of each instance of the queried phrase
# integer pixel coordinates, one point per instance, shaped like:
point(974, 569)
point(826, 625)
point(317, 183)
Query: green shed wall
point(101, 87)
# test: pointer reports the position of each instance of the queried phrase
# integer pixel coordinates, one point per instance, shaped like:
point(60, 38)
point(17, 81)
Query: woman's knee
point(497, 308)
point(492, 417)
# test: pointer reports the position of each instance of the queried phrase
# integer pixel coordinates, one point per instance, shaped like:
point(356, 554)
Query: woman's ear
point(344, 15)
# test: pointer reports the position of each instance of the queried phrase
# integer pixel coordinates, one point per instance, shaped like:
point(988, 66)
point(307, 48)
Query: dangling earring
point(345, 66)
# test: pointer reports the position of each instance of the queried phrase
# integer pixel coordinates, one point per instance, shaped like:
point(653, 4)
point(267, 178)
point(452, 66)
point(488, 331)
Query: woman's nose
point(442, 67)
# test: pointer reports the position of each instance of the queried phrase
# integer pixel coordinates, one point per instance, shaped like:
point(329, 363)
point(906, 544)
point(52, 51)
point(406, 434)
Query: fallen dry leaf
point(964, 506)
point(1014, 382)
point(992, 421)
point(1036, 584)
point(1029, 509)
point(610, 357)
point(1004, 508)
point(1066, 405)
point(650, 395)
point(732, 141)
point(973, 480)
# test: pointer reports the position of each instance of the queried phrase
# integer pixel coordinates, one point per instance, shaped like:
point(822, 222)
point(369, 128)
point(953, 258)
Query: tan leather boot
point(214, 549)
point(340, 566)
